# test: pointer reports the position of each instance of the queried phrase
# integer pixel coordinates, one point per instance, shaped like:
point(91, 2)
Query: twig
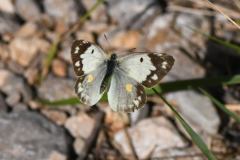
point(130, 143)
point(219, 10)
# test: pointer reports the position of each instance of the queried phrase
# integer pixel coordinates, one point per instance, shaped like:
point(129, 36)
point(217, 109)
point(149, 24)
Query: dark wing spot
point(141, 59)
point(92, 51)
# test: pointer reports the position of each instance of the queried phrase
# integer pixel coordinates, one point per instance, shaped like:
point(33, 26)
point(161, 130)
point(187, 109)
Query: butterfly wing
point(146, 68)
point(89, 86)
point(86, 57)
point(125, 93)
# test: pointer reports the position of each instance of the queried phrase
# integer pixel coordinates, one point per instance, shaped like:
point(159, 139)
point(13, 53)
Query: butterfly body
point(123, 77)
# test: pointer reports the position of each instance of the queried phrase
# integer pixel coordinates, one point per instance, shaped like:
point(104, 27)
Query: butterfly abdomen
point(111, 64)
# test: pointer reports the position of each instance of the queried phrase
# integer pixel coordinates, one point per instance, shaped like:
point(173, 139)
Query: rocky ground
point(30, 130)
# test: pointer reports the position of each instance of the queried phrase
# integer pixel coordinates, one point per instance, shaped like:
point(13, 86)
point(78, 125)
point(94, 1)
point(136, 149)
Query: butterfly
point(124, 78)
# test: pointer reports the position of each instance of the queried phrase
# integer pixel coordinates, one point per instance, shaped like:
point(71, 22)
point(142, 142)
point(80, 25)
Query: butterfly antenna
point(107, 40)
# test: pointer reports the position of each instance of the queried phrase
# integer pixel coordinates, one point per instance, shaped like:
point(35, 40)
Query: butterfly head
point(113, 57)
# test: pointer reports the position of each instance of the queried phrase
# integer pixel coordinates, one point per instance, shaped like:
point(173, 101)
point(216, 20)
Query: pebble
point(30, 29)
point(79, 146)
point(62, 10)
point(24, 50)
point(55, 155)
point(14, 87)
point(28, 10)
point(149, 136)
point(58, 117)
point(198, 110)
point(53, 88)
point(7, 6)
point(3, 105)
point(28, 135)
point(59, 68)
point(119, 11)
point(8, 23)
point(80, 126)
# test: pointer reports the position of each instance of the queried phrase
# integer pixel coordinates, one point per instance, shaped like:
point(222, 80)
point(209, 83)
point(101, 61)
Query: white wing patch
point(92, 58)
point(86, 57)
point(137, 66)
point(125, 94)
point(88, 87)
point(146, 68)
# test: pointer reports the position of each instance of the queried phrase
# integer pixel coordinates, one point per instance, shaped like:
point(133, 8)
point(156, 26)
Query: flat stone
point(119, 11)
point(3, 105)
point(28, 136)
point(149, 136)
point(198, 110)
point(28, 10)
point(8, 23)
point(7, 6)
point(53, 88)
point(14, 87)
point(58, 117)
point(80, 126)
point(62, 10)
point(57, 156)
point(24, 50)
point(59, 68)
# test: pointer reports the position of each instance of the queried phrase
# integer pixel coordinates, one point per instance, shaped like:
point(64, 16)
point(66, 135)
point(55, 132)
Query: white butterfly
point(123, 77)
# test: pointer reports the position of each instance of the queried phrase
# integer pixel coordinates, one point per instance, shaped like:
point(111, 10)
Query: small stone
point(20, 107)
point(59, 68)
point(13, 99)
point(7, 6)
point(8, 23)
point(56, 116)
point(198, 110)
point(5, 52)
point(28, 10)
point(51, 90)
point(129, 40)
point(115, 121)
point(79, 146)
point(30, 136)
point(3, 105)
point(80, 125)
point(161, 135)
point(121, 39)
point(24, 50)
point(55, 155)
point(62, 10)
point(119, 11)
point(14, 87)
point(27, 30)
point(31, 75)
point(87, 36)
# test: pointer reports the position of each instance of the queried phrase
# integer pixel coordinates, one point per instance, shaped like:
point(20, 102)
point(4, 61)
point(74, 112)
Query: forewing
point(125, 94)
point(86, 57)
point(88, 87)
point(146, 68)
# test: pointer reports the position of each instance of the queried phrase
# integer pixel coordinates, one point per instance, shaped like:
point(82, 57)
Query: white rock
point(198, 110)
point(23, 50)
point(80, 126)
point(7, 6)
point(148, 136)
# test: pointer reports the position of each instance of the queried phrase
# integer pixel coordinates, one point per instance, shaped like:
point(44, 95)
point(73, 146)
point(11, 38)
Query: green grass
point(195, 137)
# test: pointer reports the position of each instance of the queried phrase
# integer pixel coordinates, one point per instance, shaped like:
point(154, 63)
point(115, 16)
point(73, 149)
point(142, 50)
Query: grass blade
point(221, 106)
point(165, 87)
point(195, 83)
point(195, 137)
point(68, 101)
point(219, 41)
